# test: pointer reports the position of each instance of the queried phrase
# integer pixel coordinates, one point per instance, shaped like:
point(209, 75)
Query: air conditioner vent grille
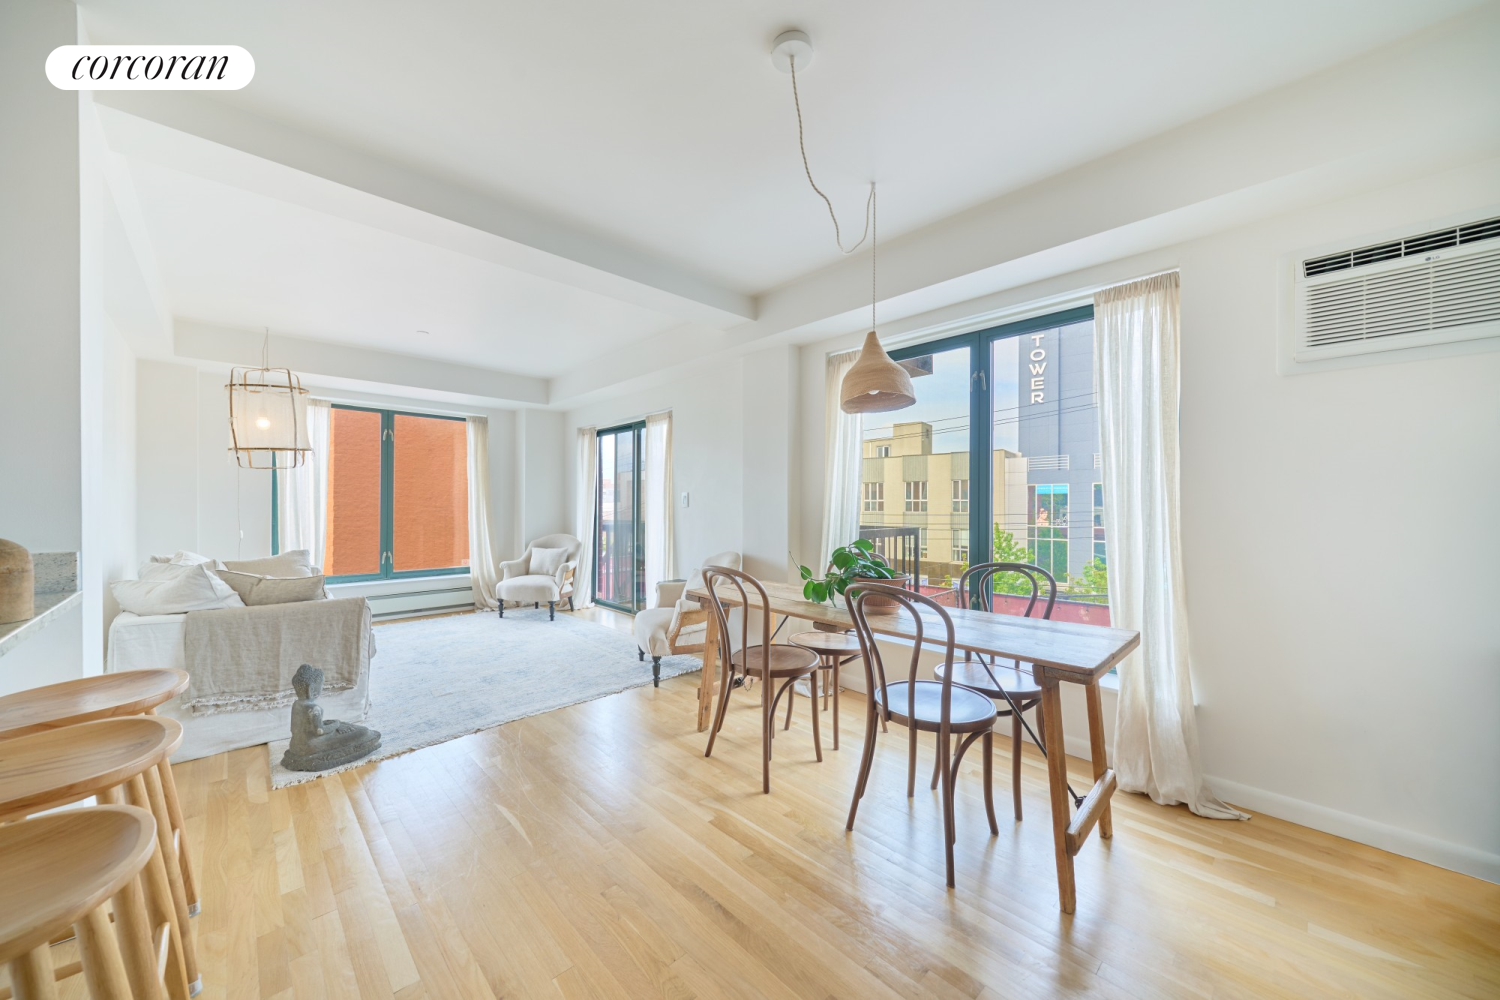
point(1418, 298)
point(1409, 247)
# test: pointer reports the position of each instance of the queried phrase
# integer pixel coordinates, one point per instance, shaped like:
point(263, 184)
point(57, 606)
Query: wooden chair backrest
point(736, 581)
point(911, 603)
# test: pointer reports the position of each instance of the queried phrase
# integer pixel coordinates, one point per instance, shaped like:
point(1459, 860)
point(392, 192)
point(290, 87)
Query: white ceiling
point(664, 127)
point(231, 257)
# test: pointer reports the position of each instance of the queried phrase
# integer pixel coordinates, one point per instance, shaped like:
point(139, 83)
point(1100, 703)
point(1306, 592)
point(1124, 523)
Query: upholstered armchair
point(676, 625)
point(545, 572)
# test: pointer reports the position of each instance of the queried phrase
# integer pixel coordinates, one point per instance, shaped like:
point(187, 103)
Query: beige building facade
point(906, 485)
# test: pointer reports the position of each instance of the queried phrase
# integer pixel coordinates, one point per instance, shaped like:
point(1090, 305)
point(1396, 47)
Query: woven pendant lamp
point(875, 383)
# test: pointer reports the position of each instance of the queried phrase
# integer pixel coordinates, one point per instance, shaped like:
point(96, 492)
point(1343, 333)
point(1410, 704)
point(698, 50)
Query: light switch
point(684, 498)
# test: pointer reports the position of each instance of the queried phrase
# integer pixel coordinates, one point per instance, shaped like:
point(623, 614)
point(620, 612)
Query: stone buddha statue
point(318, 743)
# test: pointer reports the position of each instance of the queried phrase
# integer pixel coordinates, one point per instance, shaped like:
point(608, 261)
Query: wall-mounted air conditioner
point(1438, 287)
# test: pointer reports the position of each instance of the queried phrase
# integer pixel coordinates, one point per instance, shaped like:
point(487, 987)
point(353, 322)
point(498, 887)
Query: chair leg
point(937, 758)
point(911, 762)
point(989, 780)
point(31, 974)
point(791, 696)
point(864, 764)
point(536, 605)
point(1015, 761)
point(656, 671)
point(176, 897)
point(835, 704)
point(767, 727)
point(129, 905)
point(99, 950)
point(725, 688)
point(812, 703)
point(502, 608)
point(179, 834)
point(640, 654)
point(948, 823)
point(552, 611)
point(570, 603)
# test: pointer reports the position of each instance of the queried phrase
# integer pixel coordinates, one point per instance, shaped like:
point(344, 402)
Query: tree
point(1094, 582)
point(1007, 549)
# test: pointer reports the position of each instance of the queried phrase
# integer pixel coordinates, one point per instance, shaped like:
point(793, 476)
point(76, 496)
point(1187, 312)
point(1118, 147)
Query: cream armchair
point(676, 625)
point(545, 572)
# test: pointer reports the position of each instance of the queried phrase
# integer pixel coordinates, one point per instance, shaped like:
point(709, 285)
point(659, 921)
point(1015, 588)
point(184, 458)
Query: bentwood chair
point(78, 870)
point(1010, 684)
point(763, 662)
point(940, 706)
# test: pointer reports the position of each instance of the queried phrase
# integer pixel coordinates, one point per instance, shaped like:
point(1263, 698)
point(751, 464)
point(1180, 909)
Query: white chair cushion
point(528, 589)
point(546, 562)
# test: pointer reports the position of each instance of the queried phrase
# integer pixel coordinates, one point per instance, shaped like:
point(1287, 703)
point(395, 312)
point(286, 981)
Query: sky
point(943, 399)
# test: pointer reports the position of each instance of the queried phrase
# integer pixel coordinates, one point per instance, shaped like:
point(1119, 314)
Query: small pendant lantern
point(875, 383)
point(267, 418)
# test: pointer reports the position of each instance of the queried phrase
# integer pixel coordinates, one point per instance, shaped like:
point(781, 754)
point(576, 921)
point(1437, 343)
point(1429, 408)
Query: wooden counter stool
point(116, 760)
point(834, 649)
point(107, 696)
point(60, 871)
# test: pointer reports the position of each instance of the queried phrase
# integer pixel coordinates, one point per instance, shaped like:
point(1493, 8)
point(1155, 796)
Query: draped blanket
point(243, 659)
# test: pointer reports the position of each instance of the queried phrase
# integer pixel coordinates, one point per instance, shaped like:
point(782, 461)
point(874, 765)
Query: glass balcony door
point(619, 545)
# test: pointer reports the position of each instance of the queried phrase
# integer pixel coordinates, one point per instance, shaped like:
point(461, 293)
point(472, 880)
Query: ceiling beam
point(214, 140)
point(378, 371)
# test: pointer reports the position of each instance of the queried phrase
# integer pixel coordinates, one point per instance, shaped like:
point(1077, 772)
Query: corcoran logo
point(150, 67)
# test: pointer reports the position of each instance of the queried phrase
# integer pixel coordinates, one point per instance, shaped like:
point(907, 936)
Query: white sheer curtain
point(657, 486)
point(842, 455)
point(302, 492)
point(1156, 732)
point(482, 571)
point(586, 514)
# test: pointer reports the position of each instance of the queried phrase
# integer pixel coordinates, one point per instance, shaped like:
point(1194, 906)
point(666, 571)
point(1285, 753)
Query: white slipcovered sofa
point(676, 625)
point(545, 572)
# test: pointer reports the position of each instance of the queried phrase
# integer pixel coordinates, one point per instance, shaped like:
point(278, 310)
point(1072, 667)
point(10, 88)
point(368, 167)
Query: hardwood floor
point(594, 852)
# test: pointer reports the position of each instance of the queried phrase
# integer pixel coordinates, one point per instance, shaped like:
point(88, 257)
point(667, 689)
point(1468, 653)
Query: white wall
point(1345, 661)
point(117, 509)
point(538, 485)
point(708, 420)
point(40, 370)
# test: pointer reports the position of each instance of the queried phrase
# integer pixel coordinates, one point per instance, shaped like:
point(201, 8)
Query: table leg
point(1098, 751)
point(1057, 780)
point(706, 681)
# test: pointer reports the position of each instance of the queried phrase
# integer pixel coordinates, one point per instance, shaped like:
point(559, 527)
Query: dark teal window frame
point(637, 429)
point(980, 345)
point(387, 504)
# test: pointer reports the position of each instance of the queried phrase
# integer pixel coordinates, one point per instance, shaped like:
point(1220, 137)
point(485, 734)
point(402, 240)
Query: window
point(916, 497)
point(922, 540)
point(1008, 417)
point(619, 546)
point(874, 496)
point(1047, 528)
point(960, 496)
point(398, 495)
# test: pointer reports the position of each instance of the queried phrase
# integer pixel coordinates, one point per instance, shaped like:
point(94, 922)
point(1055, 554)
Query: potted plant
point(849, 566)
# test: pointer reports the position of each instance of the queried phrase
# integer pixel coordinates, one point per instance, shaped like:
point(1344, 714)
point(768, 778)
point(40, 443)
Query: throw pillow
point(256, 590)
point(297, 562)
point(546, 562)
point(182, 558)
point(173, 589)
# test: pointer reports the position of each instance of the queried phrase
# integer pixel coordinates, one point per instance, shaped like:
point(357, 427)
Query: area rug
point(441, 678)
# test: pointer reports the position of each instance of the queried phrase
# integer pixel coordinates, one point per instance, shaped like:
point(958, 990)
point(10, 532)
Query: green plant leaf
point(863, 543)
point(816, 590)
point(806, 573)
point(843, 559)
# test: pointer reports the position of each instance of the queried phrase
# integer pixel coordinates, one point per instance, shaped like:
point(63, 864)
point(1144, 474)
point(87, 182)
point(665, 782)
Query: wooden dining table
point(1058, 652)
